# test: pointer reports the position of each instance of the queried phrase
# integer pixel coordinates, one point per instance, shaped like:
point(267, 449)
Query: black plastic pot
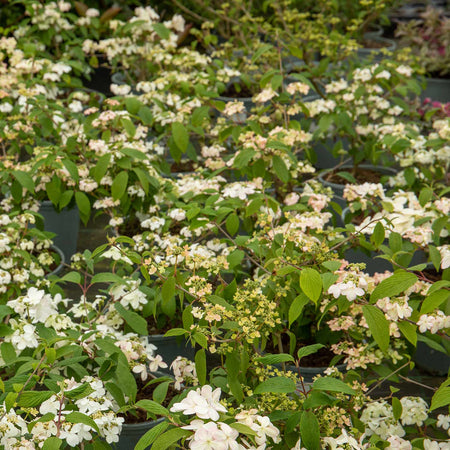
point(438, 89)
point(64, 224)
point(131, 433)
point(308, 373)
point(62, 260)
point(379, 265)
point(170, 347)
point(376, 54)
point(339, 188)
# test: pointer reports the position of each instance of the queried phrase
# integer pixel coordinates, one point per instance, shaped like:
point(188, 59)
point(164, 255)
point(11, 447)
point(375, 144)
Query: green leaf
point(332, 385)
point(119, 185)
point(180, 136)
point(72, 277)
point(133, 105)
point(149, 437)
point(311, 283)
point(52, 443)
point(152, 407)
point(71, 168)
point(277, 385)
point(275, 359)
point(394, 285)
point(106, 277)
point(310, 431)
point(308, 350)
point(280, 168)
point(168, 289)
point(129, 126)
point(434, 300)
point(200, 366)
point(261, 50)
point(24, 179)
point(378, 325)
point(136, 322)
point(296, 307)
point(408, 330)
point(164, 441)
point(161, 30)
point(440, 398)
point(397, 408)
point(232, 224)
point(101, 167)
point(8, 352)
point(176, 332)
point(84, 205)
point(31, 399)
point(77, 417)
point(378, 234)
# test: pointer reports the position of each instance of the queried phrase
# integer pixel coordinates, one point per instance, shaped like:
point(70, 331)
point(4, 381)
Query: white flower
point(414, 411)
point(204, 403)
point(348, 289)
point(397, 443)
point(443, 421)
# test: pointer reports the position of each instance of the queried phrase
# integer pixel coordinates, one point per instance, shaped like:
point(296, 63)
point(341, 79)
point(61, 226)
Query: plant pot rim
point(140, 425)
point(381, 169)
point(58, 269)
point(391, 45)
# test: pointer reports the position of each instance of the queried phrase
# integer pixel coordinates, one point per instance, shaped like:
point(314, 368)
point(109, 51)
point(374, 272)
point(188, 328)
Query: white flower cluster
point(378, 417)
point(97, 404)
point(205, 404)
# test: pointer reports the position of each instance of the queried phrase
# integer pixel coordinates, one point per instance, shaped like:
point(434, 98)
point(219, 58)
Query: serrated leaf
point(332, 385)
point(52, 443)
point(152, 407)
point(136, 322)
point(232, 224)
point(77, 417)
point(164, 441)
point(275, 359)
point(310, 431)
point(308, 350)
point(378, 326)
point(149, 437)
point(276, 385)
point(119, 185)
point(180, 136)
point(440, 398)
point(397, 408)
point(31, 399)
point(168, 289)
point(24, 179)
point(394, 285)
point(200, 366)
point(280, 168)
point(311, 284)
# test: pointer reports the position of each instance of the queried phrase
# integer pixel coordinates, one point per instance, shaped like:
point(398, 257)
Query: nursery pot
point(62, 260)
point(373, 264)
point(338, 189)
point(308, 373)
point(64, 224)
point(375, 53)
point(132, 432)
point(431, 360)
point(169, 347)
point(119, 78)
point(437, 89)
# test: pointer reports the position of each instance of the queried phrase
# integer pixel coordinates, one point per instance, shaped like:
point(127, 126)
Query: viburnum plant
point(27, 255)
point(57, 30)
point(359, 114)
point(422, 220)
